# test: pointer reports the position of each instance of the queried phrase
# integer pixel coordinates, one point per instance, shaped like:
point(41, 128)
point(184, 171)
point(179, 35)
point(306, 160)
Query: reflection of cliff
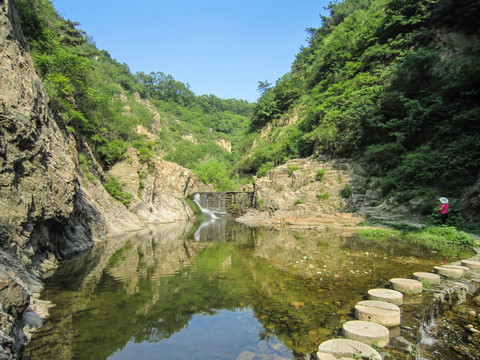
point(144, 287)
point(115, 282)
point(147, 287)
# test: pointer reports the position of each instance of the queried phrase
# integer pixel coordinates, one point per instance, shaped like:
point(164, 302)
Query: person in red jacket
point(444, 209)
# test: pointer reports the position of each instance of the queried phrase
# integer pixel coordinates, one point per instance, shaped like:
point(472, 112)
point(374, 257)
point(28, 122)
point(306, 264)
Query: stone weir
point(233, 202)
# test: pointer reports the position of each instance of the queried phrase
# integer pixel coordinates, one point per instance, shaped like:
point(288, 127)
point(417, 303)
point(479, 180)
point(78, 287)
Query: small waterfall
point(222, 204)
point(211, 206)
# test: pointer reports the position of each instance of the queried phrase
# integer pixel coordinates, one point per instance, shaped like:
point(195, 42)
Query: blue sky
point(220, 47)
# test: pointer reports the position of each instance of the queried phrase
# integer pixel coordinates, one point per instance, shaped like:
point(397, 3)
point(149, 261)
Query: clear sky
point(220, 47)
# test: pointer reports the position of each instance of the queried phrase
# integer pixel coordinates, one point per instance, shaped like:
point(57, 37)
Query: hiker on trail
point(443, 209)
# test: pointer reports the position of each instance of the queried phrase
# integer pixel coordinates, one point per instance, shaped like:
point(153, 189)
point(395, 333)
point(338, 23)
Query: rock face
point(470, 204)
point(49, 210)
point(158, 190)
point(227, 145)
point(305, 192)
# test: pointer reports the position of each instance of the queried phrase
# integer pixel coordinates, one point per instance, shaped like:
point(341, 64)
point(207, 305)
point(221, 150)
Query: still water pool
point(221, 290)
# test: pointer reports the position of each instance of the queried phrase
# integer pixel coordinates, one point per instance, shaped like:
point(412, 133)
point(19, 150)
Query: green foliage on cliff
point(114, 188)
point(104, 103)
point(394, 83)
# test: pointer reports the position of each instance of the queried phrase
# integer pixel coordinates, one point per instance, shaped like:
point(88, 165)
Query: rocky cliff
point(50, 209)
point(324, 193)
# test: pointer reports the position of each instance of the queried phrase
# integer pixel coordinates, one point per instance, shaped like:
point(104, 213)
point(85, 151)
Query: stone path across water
point(375, 316)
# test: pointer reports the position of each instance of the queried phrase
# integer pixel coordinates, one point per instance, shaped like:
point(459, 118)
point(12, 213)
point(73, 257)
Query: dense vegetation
point(394, 83)
point(104, 103)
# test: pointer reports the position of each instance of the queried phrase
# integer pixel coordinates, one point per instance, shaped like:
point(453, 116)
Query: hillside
point(393, 84)
point(112, 109)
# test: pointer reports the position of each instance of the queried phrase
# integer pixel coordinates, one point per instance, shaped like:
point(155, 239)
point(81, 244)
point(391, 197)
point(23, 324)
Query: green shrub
point(319, 175)
point(114, 188)
point(264, 168)
point(85, 165)
point(346, 192)
point(291, 169)
point(299, 201)
point(323, 196)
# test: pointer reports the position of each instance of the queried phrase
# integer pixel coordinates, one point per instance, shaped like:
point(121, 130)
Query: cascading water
point(222, 204)
point(218, 206)
point(212, 205)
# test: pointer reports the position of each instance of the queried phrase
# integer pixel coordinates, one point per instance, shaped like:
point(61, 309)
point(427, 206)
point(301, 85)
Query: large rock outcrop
point(158, 189)
point(304, 193)
point(49, 209)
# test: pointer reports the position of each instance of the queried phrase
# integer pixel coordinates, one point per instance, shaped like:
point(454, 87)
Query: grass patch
point(195, 207)
point(443, 239)
point(438, 236)
point(379, 234)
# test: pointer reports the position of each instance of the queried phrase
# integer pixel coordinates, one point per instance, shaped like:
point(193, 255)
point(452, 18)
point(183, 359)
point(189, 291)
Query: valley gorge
point(54, 205)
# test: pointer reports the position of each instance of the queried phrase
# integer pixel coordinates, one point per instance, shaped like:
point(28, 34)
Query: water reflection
point(226, 290)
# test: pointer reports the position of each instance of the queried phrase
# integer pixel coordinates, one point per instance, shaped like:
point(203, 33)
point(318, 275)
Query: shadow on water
point(213, 292)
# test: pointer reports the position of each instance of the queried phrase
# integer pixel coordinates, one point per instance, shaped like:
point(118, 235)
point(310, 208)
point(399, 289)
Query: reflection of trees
point(135, 289)
point(145, 288)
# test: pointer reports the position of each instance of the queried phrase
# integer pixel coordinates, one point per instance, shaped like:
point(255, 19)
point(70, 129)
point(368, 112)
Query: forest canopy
point(394, 83)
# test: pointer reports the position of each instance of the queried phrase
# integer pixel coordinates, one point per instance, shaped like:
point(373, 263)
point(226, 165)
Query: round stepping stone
point(370, 333)
point(449, 272)
point(429, 278)
point(473, 265)
point(407, 286)
point(388, 295)
point(325, 356)
point(466, 270)
point(379, 312)
point(347, 348)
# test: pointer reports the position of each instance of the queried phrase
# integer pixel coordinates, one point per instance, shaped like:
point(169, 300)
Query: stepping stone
point(449, 272)
point(407, 286)
point(346, 348)
point(370, 333)
point(325, 356)
point(473, 265)
point(388, 295)
point(466, 270)
point(429, 278)
point(379, 312)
